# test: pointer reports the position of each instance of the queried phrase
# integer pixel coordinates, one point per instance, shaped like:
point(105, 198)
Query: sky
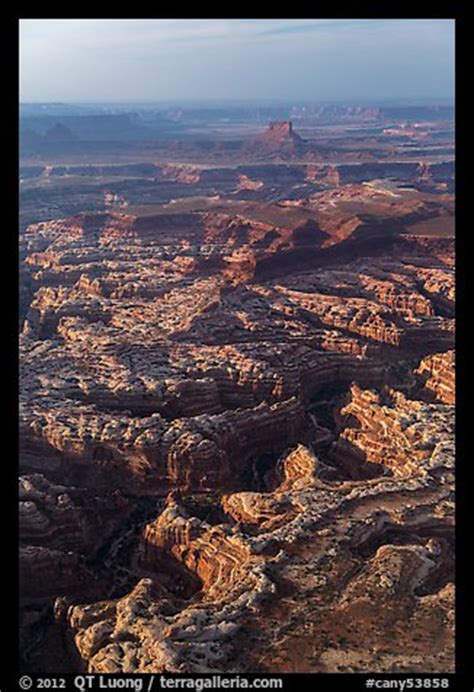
point(78, 60)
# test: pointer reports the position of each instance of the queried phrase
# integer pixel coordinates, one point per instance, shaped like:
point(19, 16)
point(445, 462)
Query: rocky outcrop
point(142, 632)
point(387, 429)
point(438, 372)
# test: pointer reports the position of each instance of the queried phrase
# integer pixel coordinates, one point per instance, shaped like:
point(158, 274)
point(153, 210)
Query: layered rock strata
point(438, 371)
point(292, 385)
point(345, 549)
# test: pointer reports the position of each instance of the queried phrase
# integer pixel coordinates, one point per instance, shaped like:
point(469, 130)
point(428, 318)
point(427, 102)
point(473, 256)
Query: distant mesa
point(280, 137)
point(60, 133)
point(280, 130)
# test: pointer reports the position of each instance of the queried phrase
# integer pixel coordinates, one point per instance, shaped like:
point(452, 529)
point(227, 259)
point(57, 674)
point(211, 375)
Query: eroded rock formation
point(439, 375)
point(309, 533)
point(286, 382)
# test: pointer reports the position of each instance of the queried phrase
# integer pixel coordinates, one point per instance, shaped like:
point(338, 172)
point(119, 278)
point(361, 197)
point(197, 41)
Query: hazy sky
point(299, 59)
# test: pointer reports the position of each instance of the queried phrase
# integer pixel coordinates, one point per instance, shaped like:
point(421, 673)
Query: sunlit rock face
point(438, 374)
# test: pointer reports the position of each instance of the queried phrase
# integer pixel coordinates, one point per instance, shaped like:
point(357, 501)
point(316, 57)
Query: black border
point(463, 679)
